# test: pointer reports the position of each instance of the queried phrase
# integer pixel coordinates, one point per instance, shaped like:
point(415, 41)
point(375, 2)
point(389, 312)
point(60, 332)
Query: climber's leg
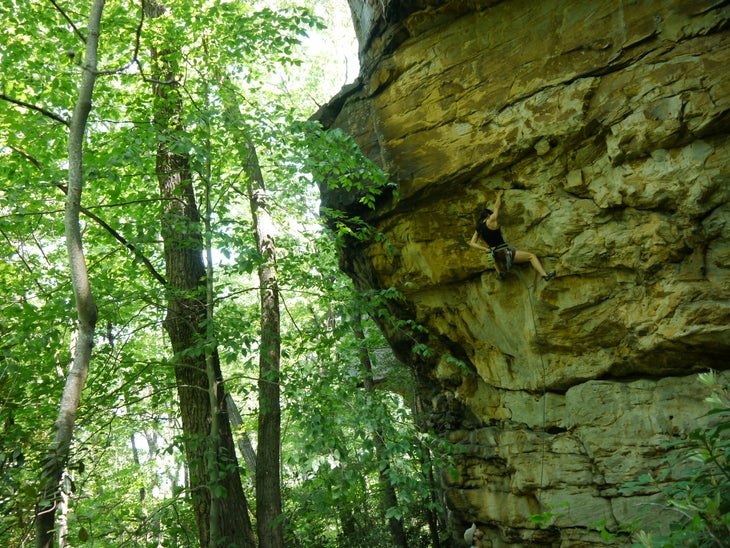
point(500, 275)
point(526, 256)
point(500, 264)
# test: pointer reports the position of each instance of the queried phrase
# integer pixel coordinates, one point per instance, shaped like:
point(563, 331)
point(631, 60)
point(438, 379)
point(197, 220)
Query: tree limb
point(87, 312)
point(116, 235)
point(135, 54)
point(68, 19)
point(30, 106)
point(121, 239)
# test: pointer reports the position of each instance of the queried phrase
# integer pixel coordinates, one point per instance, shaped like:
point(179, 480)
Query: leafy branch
point(68, 20)
point(101, 222)
point(701, 494)
point(36, 108)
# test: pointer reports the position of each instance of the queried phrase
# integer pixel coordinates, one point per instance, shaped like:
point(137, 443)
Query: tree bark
point(268, 480)
point(244, 444)
point(185, 323)
point(269, 523)
point(57, 458)
point(214, 454)
point(390, 498)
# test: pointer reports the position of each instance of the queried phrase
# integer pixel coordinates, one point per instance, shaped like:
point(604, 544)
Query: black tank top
point(492, 237)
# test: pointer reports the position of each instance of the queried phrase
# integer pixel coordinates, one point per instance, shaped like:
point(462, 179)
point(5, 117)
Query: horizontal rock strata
point(606, 126)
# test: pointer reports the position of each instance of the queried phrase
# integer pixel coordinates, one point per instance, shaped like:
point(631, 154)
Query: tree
point(58, 453)
point(390, 498)
point(268, 479)
point(170, 235)
point(219, 501)
point(267, 472)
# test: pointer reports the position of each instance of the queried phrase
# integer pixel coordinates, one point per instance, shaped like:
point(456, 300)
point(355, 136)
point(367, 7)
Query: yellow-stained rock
point(607, 126)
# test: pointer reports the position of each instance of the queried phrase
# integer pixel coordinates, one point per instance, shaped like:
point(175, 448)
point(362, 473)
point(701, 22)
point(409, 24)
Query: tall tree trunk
point(62, 516)
point(390, 498)
point(348, 524)
point(268, 481)
point(185, 323)
point(214, 453)
point(436, 520)
point(58, 454)
point(244, 443)
point(269, 523)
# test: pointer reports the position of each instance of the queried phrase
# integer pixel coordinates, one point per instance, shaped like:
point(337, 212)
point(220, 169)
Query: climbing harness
point(503, 256)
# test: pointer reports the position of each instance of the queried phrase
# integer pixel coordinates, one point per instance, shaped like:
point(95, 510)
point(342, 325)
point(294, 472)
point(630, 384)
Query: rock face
point(607, 124)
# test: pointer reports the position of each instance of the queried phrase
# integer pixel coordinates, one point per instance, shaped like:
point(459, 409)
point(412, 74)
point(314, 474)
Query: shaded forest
point(182, 362)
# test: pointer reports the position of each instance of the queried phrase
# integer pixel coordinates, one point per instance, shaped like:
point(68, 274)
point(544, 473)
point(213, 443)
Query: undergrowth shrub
point(700, 497)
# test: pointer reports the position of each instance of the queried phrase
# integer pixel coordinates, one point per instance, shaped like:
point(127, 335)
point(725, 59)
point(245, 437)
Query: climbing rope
point(529, 289)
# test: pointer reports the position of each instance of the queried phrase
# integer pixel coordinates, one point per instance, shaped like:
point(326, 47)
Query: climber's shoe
point(549, 276)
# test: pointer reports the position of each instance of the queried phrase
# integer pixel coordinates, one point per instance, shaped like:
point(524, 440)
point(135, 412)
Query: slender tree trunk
point(348, 525)
point(390, 498)
point(214, 454)
point(268, 481)
point(436, 520)
point(431, 516)
point(185, 323)
point(269, 523)
point(244, 443)
point(62, 518)
point(57, 457)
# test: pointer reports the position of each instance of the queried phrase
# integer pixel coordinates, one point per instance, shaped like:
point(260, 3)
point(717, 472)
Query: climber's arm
point(493, 220)
point(474, 242)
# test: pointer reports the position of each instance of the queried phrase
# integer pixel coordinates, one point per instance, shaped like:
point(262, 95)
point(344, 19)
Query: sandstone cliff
point(607, 124)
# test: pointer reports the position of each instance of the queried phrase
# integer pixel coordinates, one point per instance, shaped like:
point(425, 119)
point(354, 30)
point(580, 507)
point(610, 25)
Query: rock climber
point(473, 536)
point(488, 232)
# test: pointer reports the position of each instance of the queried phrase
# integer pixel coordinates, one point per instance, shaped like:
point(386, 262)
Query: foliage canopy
point(126, 482)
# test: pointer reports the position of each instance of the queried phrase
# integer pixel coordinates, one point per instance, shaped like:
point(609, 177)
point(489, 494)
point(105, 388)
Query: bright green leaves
point(350, 182)
point(237, 40)
point(222, 50)
point(335, 160)
point(341, 437)
point(35, 33)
